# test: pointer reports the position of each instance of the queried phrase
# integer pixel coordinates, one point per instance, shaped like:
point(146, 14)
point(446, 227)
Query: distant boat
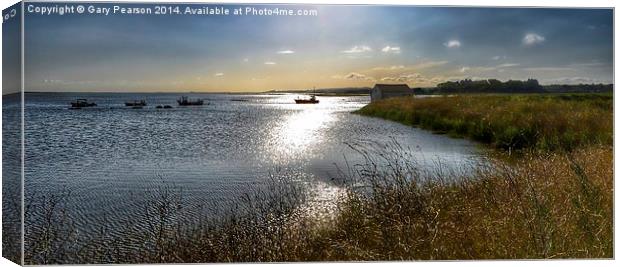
point(82, 103)
point(312, 100)
point(136, 103)
point(184, 101)
point(166, 106)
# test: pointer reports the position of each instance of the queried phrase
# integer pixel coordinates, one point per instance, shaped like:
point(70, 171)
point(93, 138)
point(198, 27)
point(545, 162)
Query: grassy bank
point(540, 207)
point(540, 122)
point(553, 200)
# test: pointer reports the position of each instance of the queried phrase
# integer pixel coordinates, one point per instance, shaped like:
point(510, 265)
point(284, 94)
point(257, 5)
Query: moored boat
point(136, 103)
point(185, 101)
point(312, 100)
point(82, 103)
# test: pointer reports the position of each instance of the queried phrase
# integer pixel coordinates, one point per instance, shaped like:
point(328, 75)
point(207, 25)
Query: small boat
point(82, 103)
point(136, 103)
point(163, 106)
point(184, 101)
point(312, 100)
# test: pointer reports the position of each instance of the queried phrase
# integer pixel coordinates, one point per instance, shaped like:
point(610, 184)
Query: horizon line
point(250, 92)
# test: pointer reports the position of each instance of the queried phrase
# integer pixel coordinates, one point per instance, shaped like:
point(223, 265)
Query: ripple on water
point(109, 157)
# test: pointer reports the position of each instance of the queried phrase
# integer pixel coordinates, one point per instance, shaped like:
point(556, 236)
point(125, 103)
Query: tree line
point(491, 86)
point(511, 86)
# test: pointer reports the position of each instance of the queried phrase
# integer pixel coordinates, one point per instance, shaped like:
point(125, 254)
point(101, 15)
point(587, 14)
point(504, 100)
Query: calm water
point(106, 155)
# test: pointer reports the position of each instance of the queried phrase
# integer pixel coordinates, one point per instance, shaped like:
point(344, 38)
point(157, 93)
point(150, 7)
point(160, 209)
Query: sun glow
point(297, 134)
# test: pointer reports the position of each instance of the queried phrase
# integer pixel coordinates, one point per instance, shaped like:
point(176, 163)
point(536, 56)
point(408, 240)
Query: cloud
point(548, 69)
point(429, 64)
point(414, 67)
point(479, 69)
point(94, 82)
point(569, 67)
point(533, 39)
point(482, 69)
point(284, 52)
point(219, 74)
point(391, 49)
point(354, 76)
point(498, 57)
point(414, 78)
point(71, 82)
point(588, 64)
point(403, 78)
point(573, 80)
point(270, 63)
point(452, 44)
point(395, 67)
point(358, 49)
point(507, 65)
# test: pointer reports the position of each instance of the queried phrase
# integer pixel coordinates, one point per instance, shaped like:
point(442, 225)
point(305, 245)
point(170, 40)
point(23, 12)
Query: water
point(106, 155)
point(11, 177)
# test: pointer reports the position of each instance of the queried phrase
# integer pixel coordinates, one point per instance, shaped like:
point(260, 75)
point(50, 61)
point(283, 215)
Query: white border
point(481, 3)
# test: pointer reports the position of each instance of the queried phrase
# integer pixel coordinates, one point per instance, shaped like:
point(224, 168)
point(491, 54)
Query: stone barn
point(383, 91)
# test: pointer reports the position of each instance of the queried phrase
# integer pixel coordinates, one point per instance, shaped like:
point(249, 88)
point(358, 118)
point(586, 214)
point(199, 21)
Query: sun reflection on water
point(323, 201)
point(300, 132)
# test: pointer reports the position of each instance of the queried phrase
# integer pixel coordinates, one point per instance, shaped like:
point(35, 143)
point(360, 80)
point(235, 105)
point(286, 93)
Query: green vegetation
point(552, 200)
point(540, 122)
point(468, 86)
point(490, 86)
point(540, 207)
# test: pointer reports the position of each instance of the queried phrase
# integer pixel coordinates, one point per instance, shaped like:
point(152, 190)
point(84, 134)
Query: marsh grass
point(542, 122)
point(555, 206)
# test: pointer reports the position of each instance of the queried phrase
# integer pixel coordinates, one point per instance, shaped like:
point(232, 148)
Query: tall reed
point(509, 122)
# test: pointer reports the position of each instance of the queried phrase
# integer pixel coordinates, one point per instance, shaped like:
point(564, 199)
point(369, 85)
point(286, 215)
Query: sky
point(342, 46)
point(11, 53)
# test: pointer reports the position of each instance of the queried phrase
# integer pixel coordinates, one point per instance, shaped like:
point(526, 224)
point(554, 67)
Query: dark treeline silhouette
point(491, 86)
point(511, 86)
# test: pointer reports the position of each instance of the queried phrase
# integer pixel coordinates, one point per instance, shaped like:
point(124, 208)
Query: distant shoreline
point(364, 91)
point(210, 93)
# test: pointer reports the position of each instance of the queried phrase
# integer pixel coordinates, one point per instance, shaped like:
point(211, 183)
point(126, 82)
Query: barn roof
point(394, 88)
